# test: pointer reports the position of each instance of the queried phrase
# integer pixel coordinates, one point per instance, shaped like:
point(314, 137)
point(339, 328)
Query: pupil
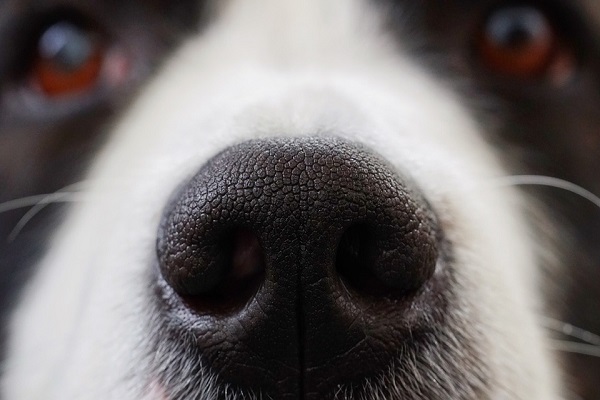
point(66, 45)
point(517, 27)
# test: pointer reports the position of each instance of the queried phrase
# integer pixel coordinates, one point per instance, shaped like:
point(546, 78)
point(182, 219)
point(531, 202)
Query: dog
point(277, 199)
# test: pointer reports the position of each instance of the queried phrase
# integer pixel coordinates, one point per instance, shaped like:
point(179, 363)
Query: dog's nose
point(297, 264)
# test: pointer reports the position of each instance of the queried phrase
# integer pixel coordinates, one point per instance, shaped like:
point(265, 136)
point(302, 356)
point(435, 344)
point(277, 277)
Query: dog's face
point(298, 199)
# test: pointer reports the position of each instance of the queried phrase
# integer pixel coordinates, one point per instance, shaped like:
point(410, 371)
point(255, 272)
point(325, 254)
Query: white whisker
point(548, 181)
point(55, 198)
point(30, 201)
point(571, 331)
point(67, 194)
point(46, 198)
point(576, 348)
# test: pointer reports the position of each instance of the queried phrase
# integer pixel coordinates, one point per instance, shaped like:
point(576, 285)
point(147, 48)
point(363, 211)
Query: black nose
point(299, 265)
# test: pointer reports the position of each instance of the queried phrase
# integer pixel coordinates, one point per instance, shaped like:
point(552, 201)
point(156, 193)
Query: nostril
point(352, 260)
point(247, 257)
point(367, 264)
point(220, 275)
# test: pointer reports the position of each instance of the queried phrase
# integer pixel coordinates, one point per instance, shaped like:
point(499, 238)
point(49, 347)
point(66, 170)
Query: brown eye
point(68, 60)
point(521, 41)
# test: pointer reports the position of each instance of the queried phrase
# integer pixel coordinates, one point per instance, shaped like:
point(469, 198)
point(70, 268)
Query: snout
point(293, 267)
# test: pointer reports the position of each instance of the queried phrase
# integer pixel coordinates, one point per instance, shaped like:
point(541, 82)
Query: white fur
point(273, 68)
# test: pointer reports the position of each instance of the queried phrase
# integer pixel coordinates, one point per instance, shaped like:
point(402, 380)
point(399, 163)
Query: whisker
point(55, 198)
point(66, 194)
point(575, 348)
point(548, 181)
point(571, 331)
point(591, 347)
point(30, 201)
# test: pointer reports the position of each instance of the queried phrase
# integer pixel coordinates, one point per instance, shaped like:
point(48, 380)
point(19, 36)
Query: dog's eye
point(522, 41)
point(68, 59)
